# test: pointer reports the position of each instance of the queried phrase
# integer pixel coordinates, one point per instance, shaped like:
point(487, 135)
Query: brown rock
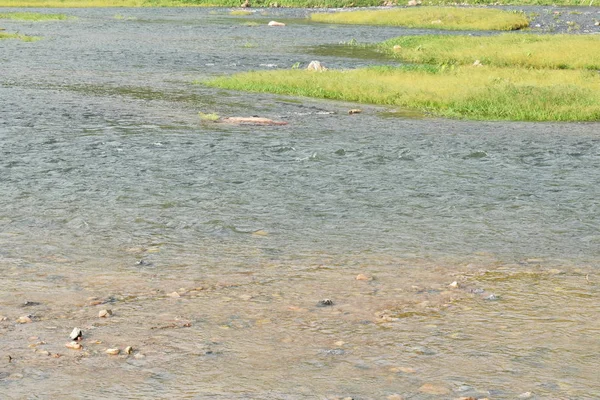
point(361, 277)
point(74, 346)
point(112, 352)
point(24, 319)
point(354, 111)
point(104, 313)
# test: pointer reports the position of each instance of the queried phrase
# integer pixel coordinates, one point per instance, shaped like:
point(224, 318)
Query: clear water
point(112, 187)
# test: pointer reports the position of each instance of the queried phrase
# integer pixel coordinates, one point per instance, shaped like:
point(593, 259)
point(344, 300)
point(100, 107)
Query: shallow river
point(213, 244)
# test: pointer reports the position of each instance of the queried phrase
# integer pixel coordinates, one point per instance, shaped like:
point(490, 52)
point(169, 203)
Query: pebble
point(25, 319)
point(275, 23)
point(76, 334)
point(174, 295)
point(526, 395)
point(128, 350)
point(105, 313)
point(492, 297)
point(44, 352)
point(112, 352)
point(3, 318)
point(453, 284)
point(74, 346)
point(362, 277)
point(354, 111)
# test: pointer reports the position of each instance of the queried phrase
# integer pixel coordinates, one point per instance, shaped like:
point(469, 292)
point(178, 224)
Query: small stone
point(74, 346)
point(76, 334)
point(597, 23)
point(526, 395)
point(492, 297)
point(246, 4)
point(340, 343)
point(3, 318)
point(112, 352)
point(128, 350)
point(56, 355)
point(138, 356)
point(325, 303)
point(361, 277)
point(105, 313)
point(174, 295)
point(44, 352)
point(430, 388)
point(413, 3)
point(275, 23)
point(453, 285)
point(477, 63)
point(354, 111)
point(24, 319)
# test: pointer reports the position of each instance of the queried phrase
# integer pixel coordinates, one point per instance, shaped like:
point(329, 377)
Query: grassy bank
point(24, 38)
point(29, 16)
point(430, 17)
point(485, 93)
point(531, 51)
point(189, 3)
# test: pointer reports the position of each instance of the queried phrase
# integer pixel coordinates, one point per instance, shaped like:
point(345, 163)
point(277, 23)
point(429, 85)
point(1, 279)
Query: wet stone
point(325, 303)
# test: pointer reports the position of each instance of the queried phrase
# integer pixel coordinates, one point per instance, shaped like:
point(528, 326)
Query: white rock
point(24, 319)
point(112, 352)
point(316, 66)
point(76, 334)
point(275, 23)
point(453, 284)
point(105, 313)
point(128, 349)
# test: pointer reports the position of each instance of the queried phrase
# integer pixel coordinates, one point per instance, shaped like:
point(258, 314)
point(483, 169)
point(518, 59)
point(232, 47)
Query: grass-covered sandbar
point(515, 50)
point(188, 3)
point(273, 3)
point(449, 18)
point(478, 93)
point(31, 16)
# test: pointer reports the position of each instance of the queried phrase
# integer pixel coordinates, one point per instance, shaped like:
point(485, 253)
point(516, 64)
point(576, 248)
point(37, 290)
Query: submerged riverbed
point(213, 244)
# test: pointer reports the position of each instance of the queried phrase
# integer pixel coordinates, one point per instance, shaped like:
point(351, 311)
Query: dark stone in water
point(325, 303)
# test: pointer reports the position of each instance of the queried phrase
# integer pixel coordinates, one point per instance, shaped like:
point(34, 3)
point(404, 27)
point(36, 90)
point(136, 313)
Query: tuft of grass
point(522, 50)
point(30, 16)
point(430, 17)
point(208, 117)
point(461, 92)
point(24, 38)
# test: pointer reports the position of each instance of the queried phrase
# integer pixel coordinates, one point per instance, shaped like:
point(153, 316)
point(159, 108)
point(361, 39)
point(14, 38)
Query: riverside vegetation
point(269, 3)
point(431, 17)
point(524, 77)
point(30, 16)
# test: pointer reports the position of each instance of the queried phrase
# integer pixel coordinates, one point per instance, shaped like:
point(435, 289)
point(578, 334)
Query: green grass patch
point(522, 50)
point(208, 117)
point(24, 38)
point(479, 93)
point(30, 16)
point(430, 17)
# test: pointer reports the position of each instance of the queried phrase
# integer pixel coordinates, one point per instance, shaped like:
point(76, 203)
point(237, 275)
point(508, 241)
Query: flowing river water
point(213, 244)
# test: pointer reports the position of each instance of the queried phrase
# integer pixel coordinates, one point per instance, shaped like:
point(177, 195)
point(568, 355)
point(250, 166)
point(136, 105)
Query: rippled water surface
point(212, 244)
